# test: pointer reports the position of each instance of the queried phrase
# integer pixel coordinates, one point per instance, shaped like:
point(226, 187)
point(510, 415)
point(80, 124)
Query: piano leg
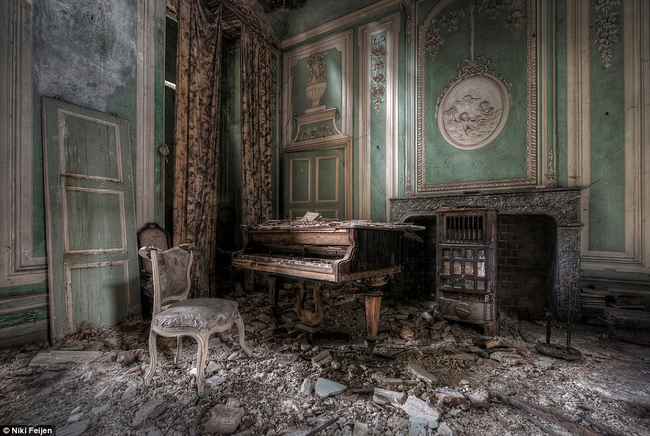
point(373, 308)
point(274, 293)
point(307, 317)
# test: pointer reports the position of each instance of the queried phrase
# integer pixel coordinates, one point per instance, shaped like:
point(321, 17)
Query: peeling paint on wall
point(85, 52)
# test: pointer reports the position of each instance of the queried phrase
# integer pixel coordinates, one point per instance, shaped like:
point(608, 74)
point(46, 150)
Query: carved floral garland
point(316, 67)
point(515, 20)
point(606, 29)
point(378, 60)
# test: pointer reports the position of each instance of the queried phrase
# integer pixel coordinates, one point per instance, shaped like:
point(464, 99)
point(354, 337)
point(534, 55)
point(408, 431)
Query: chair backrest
point(171, 273)
point(152, 235)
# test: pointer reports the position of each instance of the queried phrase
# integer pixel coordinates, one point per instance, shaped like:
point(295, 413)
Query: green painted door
point(314, 182)
point(90, 217)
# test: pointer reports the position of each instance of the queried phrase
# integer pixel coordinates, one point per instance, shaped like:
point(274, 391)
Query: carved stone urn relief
point(317, 85)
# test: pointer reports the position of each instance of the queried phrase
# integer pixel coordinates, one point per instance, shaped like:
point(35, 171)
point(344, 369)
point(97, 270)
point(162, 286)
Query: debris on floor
point(426, 376)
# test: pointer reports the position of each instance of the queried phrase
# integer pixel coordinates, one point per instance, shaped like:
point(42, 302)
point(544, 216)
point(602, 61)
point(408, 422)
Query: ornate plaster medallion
point(473, 111)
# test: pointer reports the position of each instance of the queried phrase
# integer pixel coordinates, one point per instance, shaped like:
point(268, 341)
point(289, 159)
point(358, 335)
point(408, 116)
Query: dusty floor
point(609, 386)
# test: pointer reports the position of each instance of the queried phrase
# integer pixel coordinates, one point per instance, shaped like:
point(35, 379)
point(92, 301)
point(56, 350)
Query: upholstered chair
point(174, 315)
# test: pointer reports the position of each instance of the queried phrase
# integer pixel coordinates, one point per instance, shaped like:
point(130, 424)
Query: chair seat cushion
point(196, 314)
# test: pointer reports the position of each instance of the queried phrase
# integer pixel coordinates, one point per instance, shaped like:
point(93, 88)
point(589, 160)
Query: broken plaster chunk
point(452, 398)
point(233, 402)
point(105, 392)
point(408, 333)
point(507, 358)
point(212, 367)
point(381, 378)
point(128, 357)
point(480, 400)
point(98, 411)
point(224, 419)
point(543, 364)
point(322, 359)
point(64, 356)
point(129, 392)
point(284, 359)
point(420, 426)
point(388, 397)
point(73, 429)
point(417, 408)
point(214, 381)
point(421, 373)
point(145, 411)
point(444, 430)
point(75, 417)
point(307, 387)
point(325, 388)
point(493, 343)
point(360, 429)
point(313, 427)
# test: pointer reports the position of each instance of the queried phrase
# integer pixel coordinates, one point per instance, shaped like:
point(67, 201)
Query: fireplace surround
point(562, 205)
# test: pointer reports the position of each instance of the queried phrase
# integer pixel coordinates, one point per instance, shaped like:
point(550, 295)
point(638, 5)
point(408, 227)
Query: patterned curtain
point(257, 92)
point(197, 138)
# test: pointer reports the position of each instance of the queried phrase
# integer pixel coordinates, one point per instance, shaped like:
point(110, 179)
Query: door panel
point(300, 177)
point(90, 217)
point(314, 182)
point(327, 179)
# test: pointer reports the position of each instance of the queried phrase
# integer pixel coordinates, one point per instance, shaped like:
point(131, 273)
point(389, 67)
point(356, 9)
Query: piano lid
point(407, 229)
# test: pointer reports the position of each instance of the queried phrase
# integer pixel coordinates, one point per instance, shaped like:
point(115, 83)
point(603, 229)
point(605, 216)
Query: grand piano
point(326, 252)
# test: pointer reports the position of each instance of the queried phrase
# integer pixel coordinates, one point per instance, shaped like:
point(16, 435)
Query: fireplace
point(536, 227)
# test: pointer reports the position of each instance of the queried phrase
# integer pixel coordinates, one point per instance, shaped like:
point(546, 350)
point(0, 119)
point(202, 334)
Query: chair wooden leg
point(179, 348)
point(153, 357)
point(202, 353)
point(242, 337)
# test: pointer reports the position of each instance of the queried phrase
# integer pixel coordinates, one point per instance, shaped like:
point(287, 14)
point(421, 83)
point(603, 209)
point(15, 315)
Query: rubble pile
point(426, 376)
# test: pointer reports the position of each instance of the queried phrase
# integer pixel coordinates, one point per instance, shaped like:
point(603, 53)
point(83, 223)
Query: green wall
point(314, 13)
point(84, 52)
point(607, 205)
point(506, 156)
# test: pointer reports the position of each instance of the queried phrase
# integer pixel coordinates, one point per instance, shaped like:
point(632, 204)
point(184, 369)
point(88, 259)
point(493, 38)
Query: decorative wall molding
point(509, 15)
point(606, 22)
point(341, 42)
point(378, 82)
point(547, 113)
point(18, 265)
point(316, 126)
point(636, 75)
point(407, 6)
point(429, 42)
point(145, 111)
point(345, 21)
point(378, 71)
point(578, 92)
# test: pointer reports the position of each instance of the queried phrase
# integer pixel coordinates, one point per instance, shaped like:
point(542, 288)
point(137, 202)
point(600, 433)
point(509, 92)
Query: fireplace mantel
point(561, 204)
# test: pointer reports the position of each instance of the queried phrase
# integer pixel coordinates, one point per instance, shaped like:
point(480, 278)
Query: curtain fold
point(257, 116)
point(198, 100)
